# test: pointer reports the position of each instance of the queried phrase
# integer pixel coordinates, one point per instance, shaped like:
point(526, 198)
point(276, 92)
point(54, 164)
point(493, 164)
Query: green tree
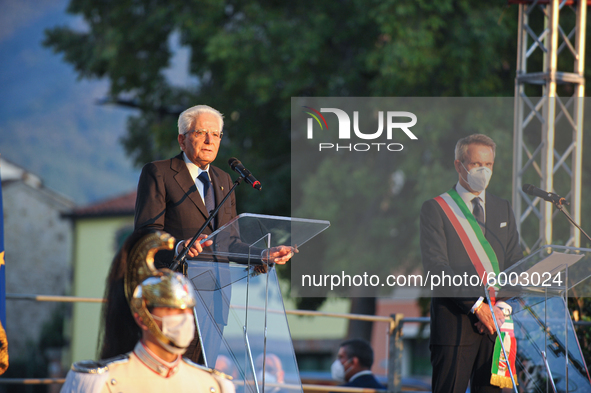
point(250, 57)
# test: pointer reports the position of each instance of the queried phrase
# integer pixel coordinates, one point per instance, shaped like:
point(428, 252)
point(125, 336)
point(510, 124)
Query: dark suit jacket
point(442, 252)
point(365, 381)
point(168, 200)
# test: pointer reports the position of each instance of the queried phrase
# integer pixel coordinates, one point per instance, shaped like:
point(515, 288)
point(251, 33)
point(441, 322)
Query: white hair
point(188, 118)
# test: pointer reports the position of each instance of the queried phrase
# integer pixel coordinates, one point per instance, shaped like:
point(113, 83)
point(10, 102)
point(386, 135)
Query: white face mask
point(178, 328)
point(337, 371)
point(269, 378)
point(478, 178)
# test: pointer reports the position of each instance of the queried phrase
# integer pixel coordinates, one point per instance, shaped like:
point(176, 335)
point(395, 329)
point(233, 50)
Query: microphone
point(237, 166)
point(547, 196)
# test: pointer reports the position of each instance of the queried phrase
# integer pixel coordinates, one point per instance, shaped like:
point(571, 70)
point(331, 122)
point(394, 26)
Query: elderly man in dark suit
point(171, 193)
point(462, 326)
point(178, 194)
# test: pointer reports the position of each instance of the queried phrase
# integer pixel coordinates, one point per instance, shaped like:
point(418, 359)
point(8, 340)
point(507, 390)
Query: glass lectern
point(240, 315)
point(548, 357)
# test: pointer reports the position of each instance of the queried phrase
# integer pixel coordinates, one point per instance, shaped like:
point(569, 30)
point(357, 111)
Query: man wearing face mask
point(453, 225)
point(162, 307)
point(353, 365)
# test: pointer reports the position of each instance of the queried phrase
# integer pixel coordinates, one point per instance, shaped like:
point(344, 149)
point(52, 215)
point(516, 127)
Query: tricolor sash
point(485, 262)
point(500, 375)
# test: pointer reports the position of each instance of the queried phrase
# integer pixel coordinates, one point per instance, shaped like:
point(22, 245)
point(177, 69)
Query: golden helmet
point(165, 289)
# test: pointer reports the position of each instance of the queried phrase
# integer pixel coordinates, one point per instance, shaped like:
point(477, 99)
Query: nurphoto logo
point(396, 121)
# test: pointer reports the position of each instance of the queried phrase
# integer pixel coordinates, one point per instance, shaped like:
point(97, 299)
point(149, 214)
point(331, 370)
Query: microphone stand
point(558, 205)
point(176, 262)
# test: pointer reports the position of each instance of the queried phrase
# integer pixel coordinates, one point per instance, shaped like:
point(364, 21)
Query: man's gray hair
point(477, 139)
point(188, 118)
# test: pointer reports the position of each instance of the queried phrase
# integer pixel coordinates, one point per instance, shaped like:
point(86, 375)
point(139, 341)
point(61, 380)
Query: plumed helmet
point(140, 264)
point(165, 289)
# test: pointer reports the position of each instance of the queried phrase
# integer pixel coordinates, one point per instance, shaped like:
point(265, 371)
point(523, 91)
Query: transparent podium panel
point(548, 357)
point(243, 238)
point(544, 333)
point(240, 315)
point(559, 269)
point(243, 327)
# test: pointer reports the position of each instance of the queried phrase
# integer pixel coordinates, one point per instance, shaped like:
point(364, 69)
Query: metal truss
point(548, 128)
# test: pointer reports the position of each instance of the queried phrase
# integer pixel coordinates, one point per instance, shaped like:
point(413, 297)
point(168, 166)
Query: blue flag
point(3, 338)
point(2, 265)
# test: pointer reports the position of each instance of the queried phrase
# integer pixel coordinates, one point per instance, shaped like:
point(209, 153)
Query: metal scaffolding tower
point(549, 107)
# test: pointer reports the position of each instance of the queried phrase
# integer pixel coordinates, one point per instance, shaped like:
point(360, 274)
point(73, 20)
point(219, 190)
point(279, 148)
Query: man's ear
point(139, 321)
point(458, 166)
point(355, 361)
point(181, 139)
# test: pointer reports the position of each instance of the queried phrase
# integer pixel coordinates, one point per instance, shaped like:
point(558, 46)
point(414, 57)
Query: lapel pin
point(222, 187)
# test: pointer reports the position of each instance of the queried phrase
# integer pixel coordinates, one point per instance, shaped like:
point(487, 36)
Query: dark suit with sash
point(458, 351)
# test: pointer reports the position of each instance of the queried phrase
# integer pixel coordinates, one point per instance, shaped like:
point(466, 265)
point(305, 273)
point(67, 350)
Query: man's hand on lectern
point(279, 254)
point(197, 247)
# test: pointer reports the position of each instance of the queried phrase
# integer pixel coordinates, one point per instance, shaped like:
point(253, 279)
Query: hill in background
point(50, 123)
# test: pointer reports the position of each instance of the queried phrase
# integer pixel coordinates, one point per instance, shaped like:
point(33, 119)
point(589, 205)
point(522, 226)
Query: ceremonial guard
point(162, 306)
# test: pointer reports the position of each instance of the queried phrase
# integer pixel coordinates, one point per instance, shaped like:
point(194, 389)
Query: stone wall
point(38, 245)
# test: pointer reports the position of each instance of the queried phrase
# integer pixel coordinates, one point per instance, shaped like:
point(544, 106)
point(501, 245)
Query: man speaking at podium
point(178, 194)
point(462, 327)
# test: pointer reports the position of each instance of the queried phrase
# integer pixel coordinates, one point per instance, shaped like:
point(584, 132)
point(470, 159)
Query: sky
point(50, 123)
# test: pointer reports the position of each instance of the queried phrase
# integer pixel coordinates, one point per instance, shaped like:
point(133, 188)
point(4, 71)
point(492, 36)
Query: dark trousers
point(455, 366)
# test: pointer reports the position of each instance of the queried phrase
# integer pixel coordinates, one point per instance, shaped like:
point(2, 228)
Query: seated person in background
point(162, 308)
point(274, 374)
point(353, 365)
point(273, 368)
point(226, 366)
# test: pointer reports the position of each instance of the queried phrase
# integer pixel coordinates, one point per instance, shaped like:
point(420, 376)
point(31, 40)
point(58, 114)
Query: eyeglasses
point(202, 133)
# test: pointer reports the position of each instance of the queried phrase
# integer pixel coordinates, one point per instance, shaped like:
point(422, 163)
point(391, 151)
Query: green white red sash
point(500, 375)
point(485, 262)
